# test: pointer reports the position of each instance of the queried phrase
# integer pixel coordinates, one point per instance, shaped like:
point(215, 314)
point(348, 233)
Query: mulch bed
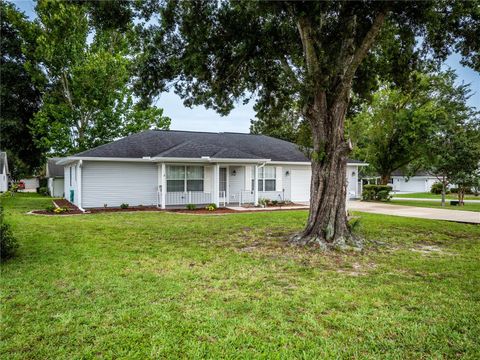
point(62, 203)
point(69, 212)
point(73, 210)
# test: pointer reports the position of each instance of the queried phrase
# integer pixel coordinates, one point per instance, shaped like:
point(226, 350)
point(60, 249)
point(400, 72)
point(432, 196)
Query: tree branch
point(305, 30)
point(367, 42)
point(288, 69)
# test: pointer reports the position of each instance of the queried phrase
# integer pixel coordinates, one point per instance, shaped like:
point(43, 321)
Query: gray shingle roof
point(54, 170)
point(189, 144)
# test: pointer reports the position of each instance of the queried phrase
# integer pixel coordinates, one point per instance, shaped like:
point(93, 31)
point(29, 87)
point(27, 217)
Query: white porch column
point(227, 187)
point(164, 185)
point(215, 185)
point(255, 186)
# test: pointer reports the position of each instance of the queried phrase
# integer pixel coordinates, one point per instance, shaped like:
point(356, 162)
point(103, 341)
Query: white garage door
point(300, 186)
point(413, 185)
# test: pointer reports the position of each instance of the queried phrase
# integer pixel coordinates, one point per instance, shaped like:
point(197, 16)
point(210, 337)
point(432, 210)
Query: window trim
point(261, 178)
point(186, 178)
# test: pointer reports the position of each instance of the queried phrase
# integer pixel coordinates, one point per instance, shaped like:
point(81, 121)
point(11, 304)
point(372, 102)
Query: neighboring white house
point(420, 182)
point(31, 184)
point(174, 168)
point(4, 173)
point(55, 174)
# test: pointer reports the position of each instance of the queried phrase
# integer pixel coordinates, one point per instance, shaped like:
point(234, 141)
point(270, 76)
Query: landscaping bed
point(60, 207)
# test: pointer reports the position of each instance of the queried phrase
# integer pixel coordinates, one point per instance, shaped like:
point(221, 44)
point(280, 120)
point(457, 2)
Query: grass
point(428, 195)
point(436, 204)
point(164, 285)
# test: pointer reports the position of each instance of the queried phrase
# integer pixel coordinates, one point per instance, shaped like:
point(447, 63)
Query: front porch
point(220, 184)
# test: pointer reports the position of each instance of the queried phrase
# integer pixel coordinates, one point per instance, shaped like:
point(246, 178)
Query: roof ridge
point(174, 147)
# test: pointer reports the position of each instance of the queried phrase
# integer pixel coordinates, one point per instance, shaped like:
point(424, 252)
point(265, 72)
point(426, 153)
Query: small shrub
point(124, 206)
point(274, 202)
point(14, 188)
point(368, 195)
point(436, 188)
point(376, 192)
point(60, 210)
point(263, 202)
point(191, 206)
point(50, 208)
point(8, 242)
point(384, 195)
point(211, 207)
point(43, 191)
point(105, 205)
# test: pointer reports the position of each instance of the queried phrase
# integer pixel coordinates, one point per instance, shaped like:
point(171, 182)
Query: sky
point(200, 119)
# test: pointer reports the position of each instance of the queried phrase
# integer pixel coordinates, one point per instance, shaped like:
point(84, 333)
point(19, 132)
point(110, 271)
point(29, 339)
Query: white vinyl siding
point(55, 187)
point(114, 183)
point(208, 179)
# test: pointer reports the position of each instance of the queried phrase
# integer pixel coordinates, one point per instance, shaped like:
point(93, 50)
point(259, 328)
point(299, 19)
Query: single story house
point(4, 173)
point(420, 182)
point(175, 168)
point(55, 174)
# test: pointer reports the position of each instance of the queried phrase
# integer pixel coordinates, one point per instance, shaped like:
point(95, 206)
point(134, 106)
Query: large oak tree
point(313, 53)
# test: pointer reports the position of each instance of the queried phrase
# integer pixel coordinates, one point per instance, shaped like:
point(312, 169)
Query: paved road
point(416, 212)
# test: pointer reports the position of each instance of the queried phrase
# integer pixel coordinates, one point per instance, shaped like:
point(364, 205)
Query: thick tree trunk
point(327, 224)
point(384, 180)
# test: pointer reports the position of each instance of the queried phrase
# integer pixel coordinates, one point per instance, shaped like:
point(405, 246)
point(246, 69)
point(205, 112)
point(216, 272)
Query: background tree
point(20, 97)
point(89, 97)
point(315, 53)
point(283, 123)
point(453, 154)
point(390, 132)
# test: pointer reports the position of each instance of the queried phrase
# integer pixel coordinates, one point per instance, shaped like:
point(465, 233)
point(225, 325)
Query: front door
point(222, 186)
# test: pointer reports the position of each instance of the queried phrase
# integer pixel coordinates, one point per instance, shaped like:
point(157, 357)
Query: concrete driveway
point(415, 212)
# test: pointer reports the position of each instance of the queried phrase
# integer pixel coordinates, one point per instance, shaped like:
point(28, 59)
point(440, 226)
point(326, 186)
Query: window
point(184, 178)
point(70, 168)
point(194, 178)
point(266, 178)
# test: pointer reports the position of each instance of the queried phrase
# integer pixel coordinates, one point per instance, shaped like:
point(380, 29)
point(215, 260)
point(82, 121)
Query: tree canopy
point(391, 131)
point(89, 97)
point(20, 97)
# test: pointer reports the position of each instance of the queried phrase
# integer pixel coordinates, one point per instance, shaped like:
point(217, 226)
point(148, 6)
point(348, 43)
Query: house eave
point(72, 159)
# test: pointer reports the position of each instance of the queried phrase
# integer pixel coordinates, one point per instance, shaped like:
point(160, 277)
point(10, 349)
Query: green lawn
point(428, 195)
point(164, 285)
point(436, 204)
